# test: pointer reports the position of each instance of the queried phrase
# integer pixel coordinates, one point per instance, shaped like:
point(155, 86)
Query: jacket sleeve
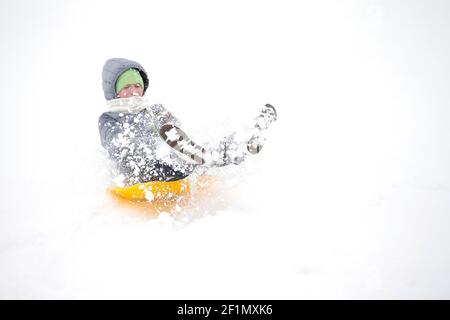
point(108, 128)
point(164, 116)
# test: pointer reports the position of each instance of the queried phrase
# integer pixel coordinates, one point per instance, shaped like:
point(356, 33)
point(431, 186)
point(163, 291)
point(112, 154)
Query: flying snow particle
point(172, 134)
point(149, 195)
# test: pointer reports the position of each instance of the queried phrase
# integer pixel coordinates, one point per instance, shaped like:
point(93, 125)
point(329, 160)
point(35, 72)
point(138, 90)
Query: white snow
point(349, 197)
point(149, 195)
point(172, 134)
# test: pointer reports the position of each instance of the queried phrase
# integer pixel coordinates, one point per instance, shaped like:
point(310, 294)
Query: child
point(132, 131)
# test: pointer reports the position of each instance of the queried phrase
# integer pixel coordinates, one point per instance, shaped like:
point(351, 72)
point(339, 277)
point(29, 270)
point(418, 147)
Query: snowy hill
point(348, 199)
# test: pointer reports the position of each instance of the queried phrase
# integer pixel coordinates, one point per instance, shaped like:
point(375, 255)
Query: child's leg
point(232, 149)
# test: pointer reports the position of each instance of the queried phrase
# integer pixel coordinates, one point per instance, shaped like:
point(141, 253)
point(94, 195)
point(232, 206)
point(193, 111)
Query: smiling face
point(131, 90)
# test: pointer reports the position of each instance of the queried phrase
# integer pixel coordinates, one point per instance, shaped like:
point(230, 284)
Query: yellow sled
point(153, 190)
point(154, 197)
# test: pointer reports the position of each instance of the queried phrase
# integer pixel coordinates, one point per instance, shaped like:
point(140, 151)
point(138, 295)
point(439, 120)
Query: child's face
point(131, 90)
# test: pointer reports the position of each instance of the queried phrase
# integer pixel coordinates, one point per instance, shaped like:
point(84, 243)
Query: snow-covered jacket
point(129, 131)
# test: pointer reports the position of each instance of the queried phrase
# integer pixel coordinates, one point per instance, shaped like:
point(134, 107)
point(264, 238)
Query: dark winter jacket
point(133, 142)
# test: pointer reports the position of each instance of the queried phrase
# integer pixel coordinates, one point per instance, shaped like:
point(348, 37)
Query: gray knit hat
point(113, 68)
